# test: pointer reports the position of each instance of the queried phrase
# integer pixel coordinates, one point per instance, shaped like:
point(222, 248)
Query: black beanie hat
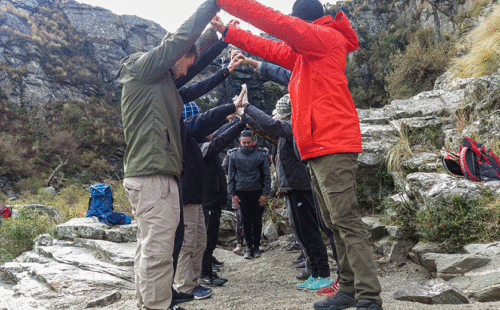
point(308, 9)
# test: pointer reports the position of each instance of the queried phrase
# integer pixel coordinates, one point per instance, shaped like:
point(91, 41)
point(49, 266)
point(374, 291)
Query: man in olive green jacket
point(151, 115)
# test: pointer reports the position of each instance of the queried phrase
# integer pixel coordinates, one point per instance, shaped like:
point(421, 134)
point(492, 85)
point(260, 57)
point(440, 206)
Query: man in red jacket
point(325, 125)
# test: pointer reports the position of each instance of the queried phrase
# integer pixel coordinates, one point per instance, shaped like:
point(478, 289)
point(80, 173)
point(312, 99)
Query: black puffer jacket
point(248, 171)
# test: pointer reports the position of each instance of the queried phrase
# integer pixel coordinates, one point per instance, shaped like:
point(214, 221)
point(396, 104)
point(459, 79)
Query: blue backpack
point(101, 206)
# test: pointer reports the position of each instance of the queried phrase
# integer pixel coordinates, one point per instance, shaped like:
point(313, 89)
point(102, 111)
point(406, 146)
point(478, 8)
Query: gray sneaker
point(248, 254)
point(257, 253)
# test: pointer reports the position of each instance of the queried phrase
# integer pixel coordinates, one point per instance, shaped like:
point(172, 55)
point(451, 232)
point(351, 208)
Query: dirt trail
point(269, 282)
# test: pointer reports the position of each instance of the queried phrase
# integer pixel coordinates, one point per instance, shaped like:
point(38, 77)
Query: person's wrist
point(226, 29)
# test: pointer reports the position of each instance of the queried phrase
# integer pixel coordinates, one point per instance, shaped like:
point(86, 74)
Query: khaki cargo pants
point(155, 203)
point(191, 254)
point(334, 180)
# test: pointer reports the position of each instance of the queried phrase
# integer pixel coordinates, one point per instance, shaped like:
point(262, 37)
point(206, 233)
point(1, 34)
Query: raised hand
point(217, 24)
point(235, 61)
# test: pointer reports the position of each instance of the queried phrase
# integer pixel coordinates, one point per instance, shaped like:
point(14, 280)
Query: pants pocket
point(344, 202)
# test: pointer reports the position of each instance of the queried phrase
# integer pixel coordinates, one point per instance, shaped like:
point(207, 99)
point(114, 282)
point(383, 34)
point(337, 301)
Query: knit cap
point(190, 109)
point(283, 106)
point(308, 9)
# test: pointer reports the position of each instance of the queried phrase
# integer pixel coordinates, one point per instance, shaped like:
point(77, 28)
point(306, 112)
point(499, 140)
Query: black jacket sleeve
point(201, 125)
point(196, 90)
point(204, 61)
point(275, 73)
point(266, 173)
point(222, 140)
point(231, 173)
point(268, 124)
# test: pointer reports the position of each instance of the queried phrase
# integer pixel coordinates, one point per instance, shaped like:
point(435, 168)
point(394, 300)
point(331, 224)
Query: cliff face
point(63, 50)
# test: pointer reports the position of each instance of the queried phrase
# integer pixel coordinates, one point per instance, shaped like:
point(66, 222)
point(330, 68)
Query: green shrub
point(459, 219)
point(416, 69)
point(17, 235)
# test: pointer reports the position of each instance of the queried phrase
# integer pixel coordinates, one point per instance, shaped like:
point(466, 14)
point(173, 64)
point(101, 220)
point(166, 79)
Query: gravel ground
point(269, 282)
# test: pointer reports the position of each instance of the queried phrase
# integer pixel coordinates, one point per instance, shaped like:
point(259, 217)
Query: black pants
point(212, 223)
point(307, 228)
point(251, 217)
point(179, 232)
point(328, 233)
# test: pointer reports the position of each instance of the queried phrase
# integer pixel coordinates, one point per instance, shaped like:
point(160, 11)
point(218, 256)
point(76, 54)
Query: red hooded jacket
point(324, 118)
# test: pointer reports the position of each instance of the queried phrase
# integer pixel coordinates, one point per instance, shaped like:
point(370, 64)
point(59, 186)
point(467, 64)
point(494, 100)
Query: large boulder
point(435, 291)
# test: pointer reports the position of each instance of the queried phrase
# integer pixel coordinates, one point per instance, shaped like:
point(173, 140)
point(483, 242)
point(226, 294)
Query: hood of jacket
point(341, 24)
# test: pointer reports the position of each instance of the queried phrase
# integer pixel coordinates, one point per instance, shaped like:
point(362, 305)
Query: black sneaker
point(338, 301)
point(212, 281)
point(257, 253)
point(178, 297)
point(248, 254)
point(175, 307)
point(299, 259)
point(215, 268)
point(303, 275)
point(365, 304)
point(217, 262)
point(216, 276)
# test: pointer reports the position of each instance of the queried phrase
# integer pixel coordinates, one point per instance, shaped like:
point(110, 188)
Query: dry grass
point(483, 45)
point(399, 151)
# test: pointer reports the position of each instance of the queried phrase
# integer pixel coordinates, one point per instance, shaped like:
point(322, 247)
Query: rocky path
point(269, 283)
point(75, 275)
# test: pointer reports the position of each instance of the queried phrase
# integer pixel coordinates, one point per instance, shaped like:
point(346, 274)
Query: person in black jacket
point(293, 179)
point(189, 245)
point(249, 183)
point(215, 192)
point(197, 126)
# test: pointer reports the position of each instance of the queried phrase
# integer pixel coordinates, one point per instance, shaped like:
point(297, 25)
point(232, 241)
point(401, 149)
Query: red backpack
point(5, 211)
point(473, 162)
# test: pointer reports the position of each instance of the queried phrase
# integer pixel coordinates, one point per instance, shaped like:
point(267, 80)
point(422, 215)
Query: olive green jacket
point(151, 105)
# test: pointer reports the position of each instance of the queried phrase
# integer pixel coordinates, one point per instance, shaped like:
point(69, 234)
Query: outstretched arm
point(268, 124)
point(196, 90)
point(306, 38)
point(154, 64)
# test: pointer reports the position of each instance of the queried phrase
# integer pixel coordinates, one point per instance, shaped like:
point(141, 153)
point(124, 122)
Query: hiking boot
point(200, 292)
point(303, 275)
point(320, 283)
point(238, 250)
point(301, 265)
point(303, 285)
point(331, 290)
point(366, 304)
point(338, 301)
point(178, 297)
point(248, 254)
point(299, 259)
point(215, 268)
point(212, 281)
point(257, 253)
point(217, 262)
